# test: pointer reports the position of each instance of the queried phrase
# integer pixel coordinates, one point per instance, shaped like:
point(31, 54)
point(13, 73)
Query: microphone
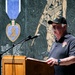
point(32, 37)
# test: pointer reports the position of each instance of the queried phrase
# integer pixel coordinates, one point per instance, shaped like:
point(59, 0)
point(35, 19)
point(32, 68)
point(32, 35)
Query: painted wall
point(28, 19)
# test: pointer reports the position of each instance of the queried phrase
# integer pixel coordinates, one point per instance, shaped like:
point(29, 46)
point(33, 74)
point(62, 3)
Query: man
point(62, 53)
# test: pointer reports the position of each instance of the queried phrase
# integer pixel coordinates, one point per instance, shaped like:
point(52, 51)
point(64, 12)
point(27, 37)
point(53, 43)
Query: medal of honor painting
point(13, 31)
point(13, 8)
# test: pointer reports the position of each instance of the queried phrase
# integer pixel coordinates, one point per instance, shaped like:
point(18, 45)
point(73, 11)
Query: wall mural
point(33, 20)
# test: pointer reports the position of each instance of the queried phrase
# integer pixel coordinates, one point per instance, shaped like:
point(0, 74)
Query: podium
point(21, 65)
point(13, 65)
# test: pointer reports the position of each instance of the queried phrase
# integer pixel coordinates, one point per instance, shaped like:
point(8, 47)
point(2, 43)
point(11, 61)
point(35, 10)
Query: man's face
point(58, 30)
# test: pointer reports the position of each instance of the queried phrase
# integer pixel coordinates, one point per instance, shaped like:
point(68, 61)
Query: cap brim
point(50, 22)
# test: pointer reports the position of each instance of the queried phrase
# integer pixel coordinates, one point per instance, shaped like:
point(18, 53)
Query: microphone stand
point(24, 40)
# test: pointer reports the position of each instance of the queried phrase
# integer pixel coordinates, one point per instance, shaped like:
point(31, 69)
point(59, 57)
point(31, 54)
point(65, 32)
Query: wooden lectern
point(20, 65)
point(13, 65)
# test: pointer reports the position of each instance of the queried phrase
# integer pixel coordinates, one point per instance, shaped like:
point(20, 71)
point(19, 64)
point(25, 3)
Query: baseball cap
point(59, 20)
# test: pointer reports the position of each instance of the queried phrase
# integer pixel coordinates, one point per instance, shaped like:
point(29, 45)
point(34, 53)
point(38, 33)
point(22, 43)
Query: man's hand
point(52, 61)
point(65, 61)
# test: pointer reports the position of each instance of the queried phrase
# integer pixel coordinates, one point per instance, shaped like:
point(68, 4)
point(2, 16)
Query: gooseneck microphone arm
point(28, 38)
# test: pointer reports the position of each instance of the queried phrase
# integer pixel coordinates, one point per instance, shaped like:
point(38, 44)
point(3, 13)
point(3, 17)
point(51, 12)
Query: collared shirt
point(63, 48)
